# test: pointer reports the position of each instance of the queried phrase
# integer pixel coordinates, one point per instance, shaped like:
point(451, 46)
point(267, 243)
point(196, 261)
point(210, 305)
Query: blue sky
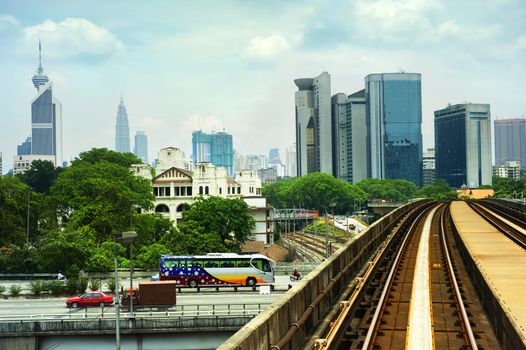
point(185, 65)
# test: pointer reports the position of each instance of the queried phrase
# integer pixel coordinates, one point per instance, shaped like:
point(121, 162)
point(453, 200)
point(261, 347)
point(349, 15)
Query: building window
point(220, 190)
point(200, 190)
point(162, 208)
point(177, 191)
point(189, 191)
point(167, 191)
point(156, 192)
point(239, 190)
point(206, 190)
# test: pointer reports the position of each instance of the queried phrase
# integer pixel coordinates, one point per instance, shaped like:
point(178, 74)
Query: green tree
point(277, 193)
point(508, 188)
point(150, 227)
point(40, 176)
point(438, 190)
point(386, 189)
point(96, 155)
point(100, 194)
point(66, 250)
point(190, 238)
point(150, 255)
point(228, 218)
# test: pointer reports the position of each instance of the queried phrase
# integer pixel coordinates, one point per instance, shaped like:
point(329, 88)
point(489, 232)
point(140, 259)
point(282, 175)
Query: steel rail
point(451, 272)
point(500, 224)
point(375, 324)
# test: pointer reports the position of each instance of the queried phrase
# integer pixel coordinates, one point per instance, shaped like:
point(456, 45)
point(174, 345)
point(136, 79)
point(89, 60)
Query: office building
point(463, 145)
point(122, 129)
point(290, 162)
point(273, 156)
point(510, 170)
point(313, 125)
point(24, 148)
point(215, 148)
point(357, 136)
point(510, 141)
point(46, 118)
point(428, 166)
point(140, 148)
point(394, 119)
point(349, 136)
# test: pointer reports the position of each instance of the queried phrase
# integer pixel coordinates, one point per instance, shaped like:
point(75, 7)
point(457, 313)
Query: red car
point(90, 299)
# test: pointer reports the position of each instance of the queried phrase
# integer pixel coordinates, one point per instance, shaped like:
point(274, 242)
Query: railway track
point(418, 296)
point(510, 226)
point(312, 247)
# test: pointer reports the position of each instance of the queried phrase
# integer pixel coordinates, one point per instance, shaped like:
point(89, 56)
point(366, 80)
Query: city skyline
point(162, 72)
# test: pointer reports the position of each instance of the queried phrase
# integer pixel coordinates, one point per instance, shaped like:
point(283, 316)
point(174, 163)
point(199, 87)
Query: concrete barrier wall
point(271, 325)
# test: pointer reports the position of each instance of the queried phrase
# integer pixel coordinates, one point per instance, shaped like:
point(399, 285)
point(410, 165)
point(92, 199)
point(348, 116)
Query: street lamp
point(123, 237)
point(332, 205)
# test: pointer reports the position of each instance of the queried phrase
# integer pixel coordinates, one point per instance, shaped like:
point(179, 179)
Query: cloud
point(74, 38)
point(265, 48)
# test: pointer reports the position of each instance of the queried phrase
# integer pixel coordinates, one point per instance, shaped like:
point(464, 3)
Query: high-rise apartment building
point(349, 137)
point(510, 141)
point(394, 119)
point(122, 129)
point(510, 169)
point(215, 148)
point(313, 125)
point(428, 166)
point(46, 117)
point(273, 156)
point(463, 144)
point(140, 148)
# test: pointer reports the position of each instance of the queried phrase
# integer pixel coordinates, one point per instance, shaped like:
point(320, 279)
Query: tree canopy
point(438, 190)
point(40, 176)
point(229, 219)
point(391, 190)
point(316, 191)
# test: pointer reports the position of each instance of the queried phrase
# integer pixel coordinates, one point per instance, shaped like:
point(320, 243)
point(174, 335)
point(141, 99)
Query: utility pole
point(27, 223)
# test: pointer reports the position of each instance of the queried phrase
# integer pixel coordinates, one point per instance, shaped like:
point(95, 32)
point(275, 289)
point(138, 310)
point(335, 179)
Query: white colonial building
point(175, 188)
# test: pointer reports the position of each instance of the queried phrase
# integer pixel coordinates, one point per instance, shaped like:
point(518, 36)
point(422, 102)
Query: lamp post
point(332, 205)
point(123, 237)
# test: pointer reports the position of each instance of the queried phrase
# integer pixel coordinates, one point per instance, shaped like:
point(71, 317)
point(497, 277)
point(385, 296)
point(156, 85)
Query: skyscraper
point(341, 159)
point(313, 125)
point(357, 136)
point(140, 148)
point(394, 119)
point(510, 141)
point(46, 117)
point(463, 144)
point(290, 162)
point(122, 129)
point(215, 148)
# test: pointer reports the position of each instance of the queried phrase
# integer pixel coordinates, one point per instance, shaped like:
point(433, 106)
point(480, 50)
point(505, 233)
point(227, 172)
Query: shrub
point(72, 285)
point(55, 287)
point(110, 282)
point(2, 290)
point(15, 290)
point(94, 284)
point(82, 284)
point(36, 287)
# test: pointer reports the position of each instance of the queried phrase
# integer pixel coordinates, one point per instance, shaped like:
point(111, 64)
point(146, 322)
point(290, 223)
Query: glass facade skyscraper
point(215, 148)
point(510, 141)
point(394, 126)
point(140, 148)
point(25, 148)
point(463, 145)
point(122, 129)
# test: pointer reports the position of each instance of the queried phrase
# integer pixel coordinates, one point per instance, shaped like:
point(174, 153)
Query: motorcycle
point(296, 278)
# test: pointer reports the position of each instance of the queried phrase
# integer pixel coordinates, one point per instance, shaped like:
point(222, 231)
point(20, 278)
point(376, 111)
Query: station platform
point(501, 262)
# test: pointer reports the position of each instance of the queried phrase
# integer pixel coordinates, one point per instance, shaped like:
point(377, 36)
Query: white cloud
point(265, 47)
point(73, 38)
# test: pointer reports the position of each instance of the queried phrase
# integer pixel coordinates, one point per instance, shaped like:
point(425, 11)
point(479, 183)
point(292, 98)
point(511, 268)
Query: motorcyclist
point(296, 273)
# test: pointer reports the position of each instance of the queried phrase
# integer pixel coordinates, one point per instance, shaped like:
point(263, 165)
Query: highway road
point(25, 306)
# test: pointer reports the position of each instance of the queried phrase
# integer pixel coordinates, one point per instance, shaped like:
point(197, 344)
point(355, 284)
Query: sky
point(212, 65)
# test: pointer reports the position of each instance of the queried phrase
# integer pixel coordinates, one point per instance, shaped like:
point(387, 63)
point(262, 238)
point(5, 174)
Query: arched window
point(206, 190)
point(200, 190)
point(182, 207)
point(162, 208)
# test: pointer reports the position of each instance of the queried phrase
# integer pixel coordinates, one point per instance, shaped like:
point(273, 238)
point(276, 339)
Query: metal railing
point(179, 311)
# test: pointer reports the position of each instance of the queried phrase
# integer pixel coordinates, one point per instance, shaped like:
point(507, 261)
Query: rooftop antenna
point(39, 55)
